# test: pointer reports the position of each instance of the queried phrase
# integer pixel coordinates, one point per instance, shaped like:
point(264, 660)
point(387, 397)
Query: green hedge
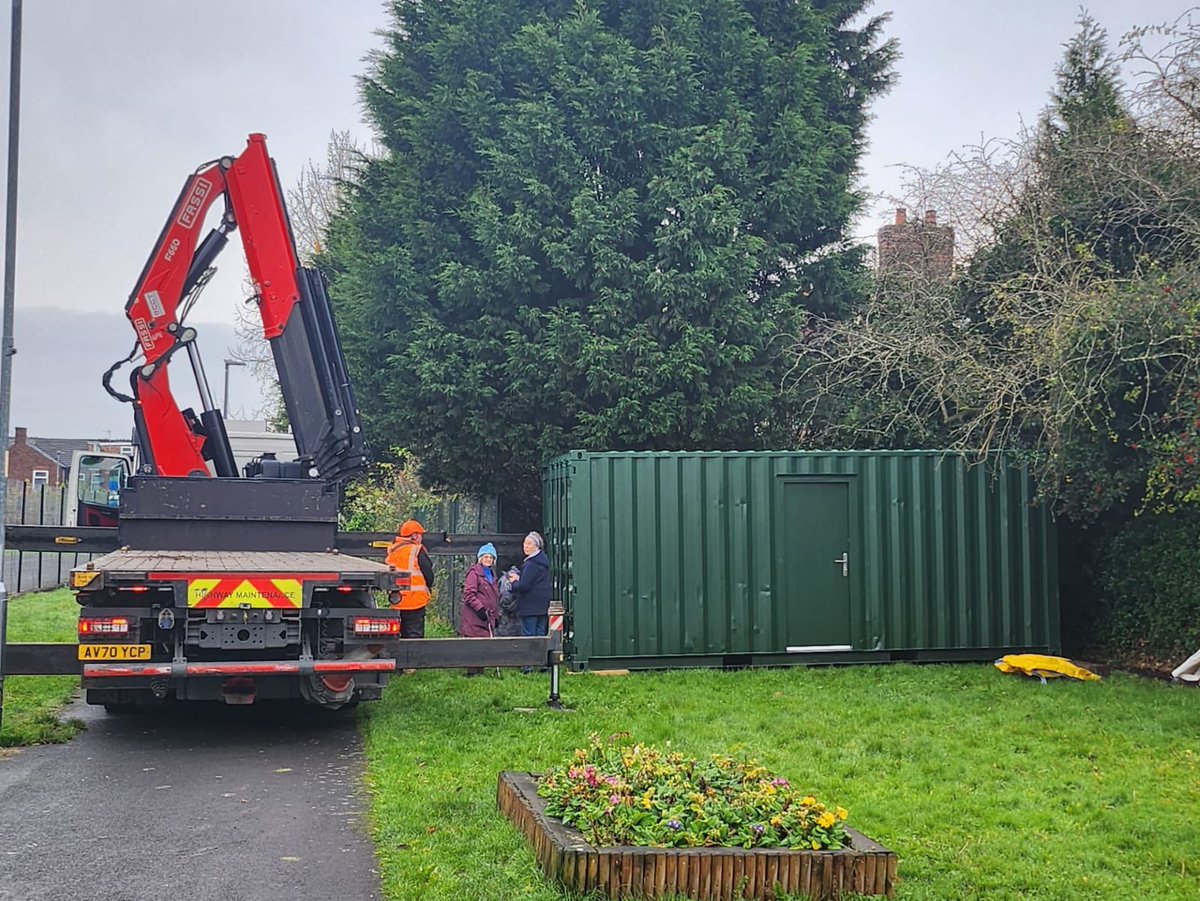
point(1138, 599)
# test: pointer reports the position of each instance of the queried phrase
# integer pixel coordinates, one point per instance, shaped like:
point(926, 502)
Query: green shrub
point(638, 795)
point(1146, 578)
point(386, 495)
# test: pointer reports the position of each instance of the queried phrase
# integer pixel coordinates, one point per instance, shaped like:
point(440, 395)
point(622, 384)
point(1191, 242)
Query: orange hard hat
point(411, 527)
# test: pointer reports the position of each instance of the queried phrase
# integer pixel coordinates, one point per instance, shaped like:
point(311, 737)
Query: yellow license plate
point(114, 652)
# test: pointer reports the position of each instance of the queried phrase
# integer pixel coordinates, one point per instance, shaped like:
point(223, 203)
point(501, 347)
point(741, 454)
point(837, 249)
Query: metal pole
point(10, 279)
point(554, 702)
point(556, 615)
point(193, 352)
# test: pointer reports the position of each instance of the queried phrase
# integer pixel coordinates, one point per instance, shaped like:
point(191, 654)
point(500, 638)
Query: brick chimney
point(918, 247)
point(20, 435)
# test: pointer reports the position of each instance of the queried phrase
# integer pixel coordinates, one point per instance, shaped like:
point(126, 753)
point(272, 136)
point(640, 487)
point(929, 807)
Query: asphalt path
point(195, 803)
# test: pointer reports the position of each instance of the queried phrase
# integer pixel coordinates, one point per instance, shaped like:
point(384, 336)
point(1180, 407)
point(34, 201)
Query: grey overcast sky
point(120, 100)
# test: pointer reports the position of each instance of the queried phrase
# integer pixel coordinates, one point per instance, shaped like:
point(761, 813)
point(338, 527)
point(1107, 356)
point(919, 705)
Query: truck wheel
point(328, 691)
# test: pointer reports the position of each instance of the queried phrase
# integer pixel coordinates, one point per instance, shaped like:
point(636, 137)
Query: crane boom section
point(296, 317)
point(258, 208)
point(153, 307)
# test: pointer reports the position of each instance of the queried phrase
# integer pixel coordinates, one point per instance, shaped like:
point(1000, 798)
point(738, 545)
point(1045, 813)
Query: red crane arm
point(257, 201)
point(171, 442)
point(296, 318)
point(153, 308)
point(253, 203)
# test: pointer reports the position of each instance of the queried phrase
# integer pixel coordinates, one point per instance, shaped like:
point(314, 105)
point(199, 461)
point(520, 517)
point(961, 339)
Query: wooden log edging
point(708, 874)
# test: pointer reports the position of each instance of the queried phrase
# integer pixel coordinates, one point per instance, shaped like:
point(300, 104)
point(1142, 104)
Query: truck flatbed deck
point(143, 561)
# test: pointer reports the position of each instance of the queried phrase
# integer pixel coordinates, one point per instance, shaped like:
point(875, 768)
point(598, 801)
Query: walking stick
point(492, 634)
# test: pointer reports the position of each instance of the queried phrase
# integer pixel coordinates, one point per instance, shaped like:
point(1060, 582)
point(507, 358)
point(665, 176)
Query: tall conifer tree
point(592, 221)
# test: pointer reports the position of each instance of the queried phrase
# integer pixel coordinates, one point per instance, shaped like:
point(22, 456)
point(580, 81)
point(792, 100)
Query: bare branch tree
point(1071, 331)
point(1165, 60)
point(320, 191)
point(973, 191)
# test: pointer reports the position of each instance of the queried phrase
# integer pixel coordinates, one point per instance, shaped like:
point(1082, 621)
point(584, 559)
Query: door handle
point(844, 560)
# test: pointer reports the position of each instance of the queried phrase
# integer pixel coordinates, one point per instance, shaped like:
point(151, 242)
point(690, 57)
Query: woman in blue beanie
point(481, 599)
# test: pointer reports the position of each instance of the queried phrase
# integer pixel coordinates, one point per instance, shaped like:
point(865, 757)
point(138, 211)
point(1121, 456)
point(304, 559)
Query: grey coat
point(510, 623)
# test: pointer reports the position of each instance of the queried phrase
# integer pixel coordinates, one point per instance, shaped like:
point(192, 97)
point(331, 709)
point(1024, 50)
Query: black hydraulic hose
point(107, 379)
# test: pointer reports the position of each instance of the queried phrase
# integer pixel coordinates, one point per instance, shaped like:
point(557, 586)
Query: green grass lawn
point(32, 703)
point(987, 786)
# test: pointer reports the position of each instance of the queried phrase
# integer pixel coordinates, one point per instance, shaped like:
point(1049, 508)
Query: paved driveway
point(203, 803)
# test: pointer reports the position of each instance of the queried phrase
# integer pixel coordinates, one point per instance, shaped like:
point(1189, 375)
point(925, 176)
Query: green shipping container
point(764, 558)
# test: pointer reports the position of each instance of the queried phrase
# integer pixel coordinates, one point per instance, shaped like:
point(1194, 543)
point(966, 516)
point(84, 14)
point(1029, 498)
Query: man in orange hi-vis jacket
point(407, 553)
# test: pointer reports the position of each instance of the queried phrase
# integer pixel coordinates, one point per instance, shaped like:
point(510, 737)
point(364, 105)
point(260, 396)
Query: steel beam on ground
point(42, 659)
point(63, 539)
point(450, 653)
point(61, 659)
point(439, 544)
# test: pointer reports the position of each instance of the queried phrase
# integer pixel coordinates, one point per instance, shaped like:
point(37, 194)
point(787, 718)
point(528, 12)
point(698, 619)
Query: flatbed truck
point(227, 585)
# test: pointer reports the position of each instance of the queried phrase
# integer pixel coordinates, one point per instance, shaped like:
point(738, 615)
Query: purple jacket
point(479, 597)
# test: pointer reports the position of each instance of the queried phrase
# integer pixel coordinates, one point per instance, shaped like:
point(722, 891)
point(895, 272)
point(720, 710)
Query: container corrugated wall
point(719, 558)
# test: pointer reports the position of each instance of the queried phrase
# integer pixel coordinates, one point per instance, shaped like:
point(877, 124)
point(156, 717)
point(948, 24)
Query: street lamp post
point(6, 335)
point(228, 363)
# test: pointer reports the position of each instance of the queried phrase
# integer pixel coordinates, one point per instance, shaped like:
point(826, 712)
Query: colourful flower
point(719, 801)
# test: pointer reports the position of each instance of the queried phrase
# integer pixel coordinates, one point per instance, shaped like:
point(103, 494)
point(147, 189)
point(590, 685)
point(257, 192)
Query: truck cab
point(96, 481)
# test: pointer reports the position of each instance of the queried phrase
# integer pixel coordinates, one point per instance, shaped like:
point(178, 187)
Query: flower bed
point(633, 794)
point(634, 822)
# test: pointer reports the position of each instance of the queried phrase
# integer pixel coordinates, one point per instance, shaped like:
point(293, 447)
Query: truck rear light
point(345, 589)
point(365, 625)
point(104, 625)
point(136, 589)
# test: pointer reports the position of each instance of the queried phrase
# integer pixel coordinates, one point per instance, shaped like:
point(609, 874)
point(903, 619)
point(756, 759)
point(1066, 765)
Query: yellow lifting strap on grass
point(1043, 666)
